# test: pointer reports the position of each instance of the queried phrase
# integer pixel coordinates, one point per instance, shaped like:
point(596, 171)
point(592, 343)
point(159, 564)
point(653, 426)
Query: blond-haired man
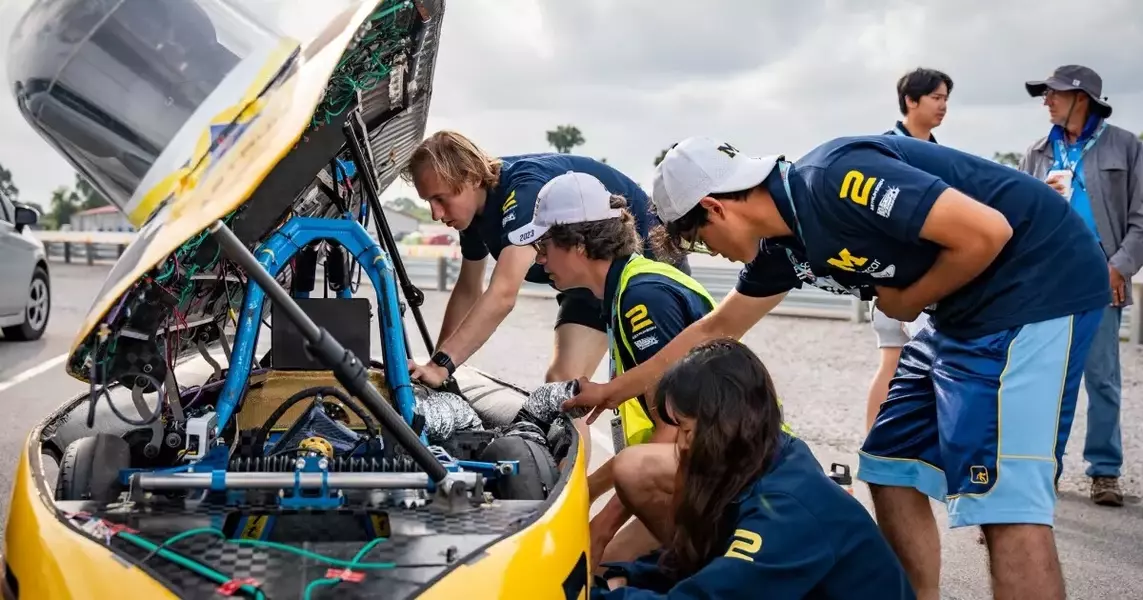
point(487, 198)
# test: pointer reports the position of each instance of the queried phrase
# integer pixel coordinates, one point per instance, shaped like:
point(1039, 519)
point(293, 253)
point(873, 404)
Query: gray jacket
point(1113, 172)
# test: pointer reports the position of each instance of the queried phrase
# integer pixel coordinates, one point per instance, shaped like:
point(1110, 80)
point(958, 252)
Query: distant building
point(104, 218)
point(400, 223)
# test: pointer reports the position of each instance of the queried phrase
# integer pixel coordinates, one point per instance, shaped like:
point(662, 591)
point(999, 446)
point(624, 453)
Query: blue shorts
point(981, 423)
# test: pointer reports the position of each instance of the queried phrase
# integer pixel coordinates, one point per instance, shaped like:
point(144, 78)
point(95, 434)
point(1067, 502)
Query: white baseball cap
point(698, 167)
point(567, 199)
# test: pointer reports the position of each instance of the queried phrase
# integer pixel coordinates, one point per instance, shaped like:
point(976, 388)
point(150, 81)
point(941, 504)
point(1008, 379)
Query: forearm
point(1129, 257)
point(732, 318)
point(485, 316)
point(601, 480)
point(643, 377)
point(610, 519)
point(953, 268)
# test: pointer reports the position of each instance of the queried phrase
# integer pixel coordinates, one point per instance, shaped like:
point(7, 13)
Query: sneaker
point(1105, 491)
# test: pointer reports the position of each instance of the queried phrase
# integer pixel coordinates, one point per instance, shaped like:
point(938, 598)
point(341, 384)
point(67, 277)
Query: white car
point(25, 288)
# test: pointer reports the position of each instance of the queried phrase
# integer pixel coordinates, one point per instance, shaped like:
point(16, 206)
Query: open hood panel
point(214, 117)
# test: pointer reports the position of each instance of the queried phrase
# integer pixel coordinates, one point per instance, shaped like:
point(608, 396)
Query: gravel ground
point(821, 378)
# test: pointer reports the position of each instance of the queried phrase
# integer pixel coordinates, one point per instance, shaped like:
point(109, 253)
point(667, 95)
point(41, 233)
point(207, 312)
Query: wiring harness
point(368, 61)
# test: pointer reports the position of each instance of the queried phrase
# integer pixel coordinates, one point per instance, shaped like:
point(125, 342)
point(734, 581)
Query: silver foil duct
point(447, 413)
point(444, 414)
point(543, 404)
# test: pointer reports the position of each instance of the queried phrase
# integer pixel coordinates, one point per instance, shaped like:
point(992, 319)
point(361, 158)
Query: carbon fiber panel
point(423, 543)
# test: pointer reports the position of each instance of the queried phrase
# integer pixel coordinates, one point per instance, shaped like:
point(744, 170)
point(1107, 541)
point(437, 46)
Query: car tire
point(37, 312)
point(90, 468)
point(537, 470)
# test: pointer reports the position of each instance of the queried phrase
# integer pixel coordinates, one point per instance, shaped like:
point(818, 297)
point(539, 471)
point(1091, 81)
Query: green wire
point(315, 584)
point(337, 562)
point(186, 563)
point(219, 578)
point(363, 69)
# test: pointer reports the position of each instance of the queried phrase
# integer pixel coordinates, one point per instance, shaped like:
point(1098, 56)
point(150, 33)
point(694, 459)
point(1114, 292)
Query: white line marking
point(39, 369)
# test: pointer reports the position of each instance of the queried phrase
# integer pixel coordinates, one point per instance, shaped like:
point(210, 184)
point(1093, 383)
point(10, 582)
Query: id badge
point(618, 441)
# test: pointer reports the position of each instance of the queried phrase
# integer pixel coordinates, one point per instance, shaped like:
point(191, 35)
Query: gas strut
point(346, 367)
point(414, 295)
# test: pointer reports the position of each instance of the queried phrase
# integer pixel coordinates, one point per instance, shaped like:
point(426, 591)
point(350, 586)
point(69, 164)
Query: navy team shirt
point(796, 534)
point(511, 204)
point(653, 310)
point(861, 203)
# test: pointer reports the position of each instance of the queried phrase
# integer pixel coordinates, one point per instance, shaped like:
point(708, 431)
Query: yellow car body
point(47, 558)
point(47, 555)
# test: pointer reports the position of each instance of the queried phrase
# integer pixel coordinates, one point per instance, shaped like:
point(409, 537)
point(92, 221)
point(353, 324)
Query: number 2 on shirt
point(745, 545)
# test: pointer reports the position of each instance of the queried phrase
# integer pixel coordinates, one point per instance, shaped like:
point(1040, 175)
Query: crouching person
point(756, 516)
point(586, 238)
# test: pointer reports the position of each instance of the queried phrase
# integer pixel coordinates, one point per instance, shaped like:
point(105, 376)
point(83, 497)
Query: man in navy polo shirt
point(922, 98)
point(486, 198)
point(1014, 284)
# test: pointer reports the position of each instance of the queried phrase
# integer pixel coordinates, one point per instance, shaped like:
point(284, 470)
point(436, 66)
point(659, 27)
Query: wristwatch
point(441, 359)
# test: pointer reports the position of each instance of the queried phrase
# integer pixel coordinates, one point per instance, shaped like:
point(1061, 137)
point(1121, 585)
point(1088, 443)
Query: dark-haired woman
point(755, 515)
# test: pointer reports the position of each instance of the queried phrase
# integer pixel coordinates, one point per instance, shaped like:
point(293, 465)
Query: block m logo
point(847, 261)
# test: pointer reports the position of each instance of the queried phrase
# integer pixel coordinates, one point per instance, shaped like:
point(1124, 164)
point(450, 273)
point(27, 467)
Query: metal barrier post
point(90, 250)
point(442, 274)
point(67, 252)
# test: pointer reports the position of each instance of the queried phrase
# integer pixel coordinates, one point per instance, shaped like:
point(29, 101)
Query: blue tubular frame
point(273, 255)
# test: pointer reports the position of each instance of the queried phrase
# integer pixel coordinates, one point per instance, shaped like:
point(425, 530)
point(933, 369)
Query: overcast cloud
point(638, 75)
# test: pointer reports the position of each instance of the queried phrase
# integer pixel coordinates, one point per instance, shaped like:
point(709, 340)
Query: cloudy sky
point(638, 75)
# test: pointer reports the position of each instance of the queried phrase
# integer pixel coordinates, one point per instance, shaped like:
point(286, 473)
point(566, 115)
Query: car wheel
point(38, 310)
point(537, 475)
point(90, 468)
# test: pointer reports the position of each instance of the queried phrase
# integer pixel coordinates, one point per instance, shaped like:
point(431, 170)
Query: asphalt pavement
point(821, 368)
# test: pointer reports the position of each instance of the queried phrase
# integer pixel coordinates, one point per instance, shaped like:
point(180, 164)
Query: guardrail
point(441, 274)
point(437, 267)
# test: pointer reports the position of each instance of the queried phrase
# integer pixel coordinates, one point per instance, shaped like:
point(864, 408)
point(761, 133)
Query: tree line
point(64, 202)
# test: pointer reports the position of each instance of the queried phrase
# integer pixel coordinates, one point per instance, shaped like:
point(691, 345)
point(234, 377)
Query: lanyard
point(784, 171)
point(1062, 150)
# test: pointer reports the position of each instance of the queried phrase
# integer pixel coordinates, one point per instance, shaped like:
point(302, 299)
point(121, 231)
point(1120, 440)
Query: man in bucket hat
point(1098, 167)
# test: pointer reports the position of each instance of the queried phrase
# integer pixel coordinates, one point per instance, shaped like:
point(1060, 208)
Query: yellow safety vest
point(637, 424)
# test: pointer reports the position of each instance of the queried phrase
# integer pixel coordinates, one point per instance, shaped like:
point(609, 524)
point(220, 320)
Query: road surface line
point(39, 369)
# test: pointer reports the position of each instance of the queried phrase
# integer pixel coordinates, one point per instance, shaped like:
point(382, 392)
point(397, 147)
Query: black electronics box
point(346, 319)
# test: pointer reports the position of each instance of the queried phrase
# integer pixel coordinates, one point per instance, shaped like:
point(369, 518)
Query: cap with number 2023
point(698, 167)
point(565, 200)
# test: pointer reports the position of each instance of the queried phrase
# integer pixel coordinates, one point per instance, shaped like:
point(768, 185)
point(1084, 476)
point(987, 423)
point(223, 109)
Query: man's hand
point(429, 374)
point(616, 582)
point(1056, 181)
point(897, 304)
point(593, 395)
point(1118, 287)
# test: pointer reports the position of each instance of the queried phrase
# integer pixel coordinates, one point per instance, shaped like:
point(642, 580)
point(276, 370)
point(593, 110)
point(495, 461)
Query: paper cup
point(1065, 176)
